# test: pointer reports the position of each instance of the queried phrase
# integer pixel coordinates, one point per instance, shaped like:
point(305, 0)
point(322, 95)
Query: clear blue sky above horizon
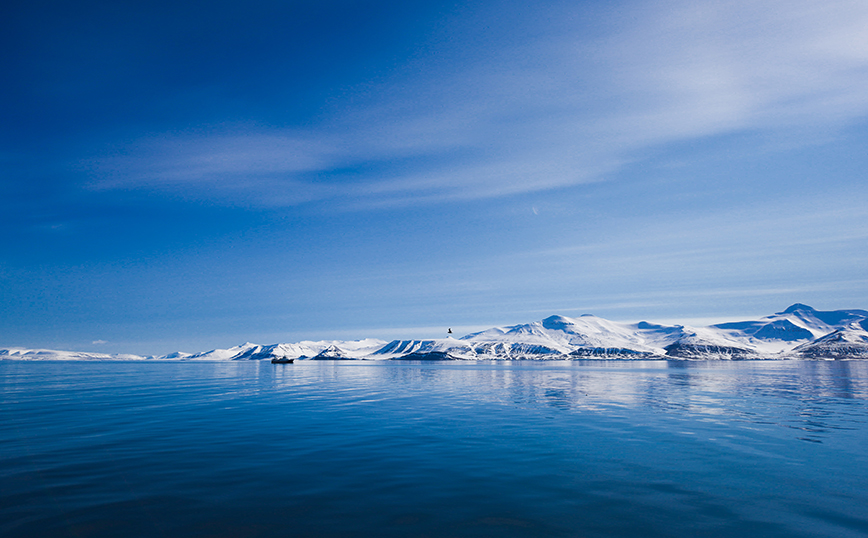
point(190, 175)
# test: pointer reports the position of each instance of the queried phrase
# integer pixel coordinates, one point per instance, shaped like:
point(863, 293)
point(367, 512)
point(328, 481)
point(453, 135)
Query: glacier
point(799, 332)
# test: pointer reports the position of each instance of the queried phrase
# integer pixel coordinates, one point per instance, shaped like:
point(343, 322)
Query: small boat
point(281, 360)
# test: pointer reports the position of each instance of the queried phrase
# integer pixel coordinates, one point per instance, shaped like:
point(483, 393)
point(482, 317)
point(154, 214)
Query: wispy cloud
point(701, 68)
point(552, 109)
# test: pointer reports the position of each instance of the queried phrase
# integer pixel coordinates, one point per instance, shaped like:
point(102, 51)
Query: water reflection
point(572, 448)
point(807, 397)
point(801, 396)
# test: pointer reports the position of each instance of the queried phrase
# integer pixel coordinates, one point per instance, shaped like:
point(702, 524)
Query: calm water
point(504, 449)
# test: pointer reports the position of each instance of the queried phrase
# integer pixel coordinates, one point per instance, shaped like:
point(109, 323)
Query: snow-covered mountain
point(850, 342)
point(245, 352)
point(301, 350)
point(22, 354)
point(799, 332)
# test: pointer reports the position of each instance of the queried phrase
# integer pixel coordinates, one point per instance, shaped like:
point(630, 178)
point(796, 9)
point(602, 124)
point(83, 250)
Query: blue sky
point(190, 175)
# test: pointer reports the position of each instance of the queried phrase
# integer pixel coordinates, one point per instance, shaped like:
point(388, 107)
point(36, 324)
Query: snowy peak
point(800, 331)
point(332, 353)
point(798, 323)
point(586, 332)
point(773, 336)
point(783, 329)
point(559, 323)
point(850, 342)
point(798, 307)
point(820, 318)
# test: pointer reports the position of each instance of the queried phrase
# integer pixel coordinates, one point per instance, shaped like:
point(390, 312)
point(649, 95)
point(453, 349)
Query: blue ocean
point(451, 449)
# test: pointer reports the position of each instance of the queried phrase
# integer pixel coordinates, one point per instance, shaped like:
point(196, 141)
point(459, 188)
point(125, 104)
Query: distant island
point(799, 332)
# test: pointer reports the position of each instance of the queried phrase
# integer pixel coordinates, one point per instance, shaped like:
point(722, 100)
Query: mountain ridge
point(798, 332)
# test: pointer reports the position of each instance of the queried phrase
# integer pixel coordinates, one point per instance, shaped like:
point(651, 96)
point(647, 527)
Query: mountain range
point(799, 332)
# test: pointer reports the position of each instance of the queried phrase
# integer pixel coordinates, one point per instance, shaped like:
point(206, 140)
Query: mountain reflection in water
point(523, 448)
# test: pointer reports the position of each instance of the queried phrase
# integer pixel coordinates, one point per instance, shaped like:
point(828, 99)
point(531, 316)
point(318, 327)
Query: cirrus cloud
point(549, 108)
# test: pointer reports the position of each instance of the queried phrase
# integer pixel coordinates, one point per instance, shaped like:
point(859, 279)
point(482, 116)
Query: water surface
point(519, 448)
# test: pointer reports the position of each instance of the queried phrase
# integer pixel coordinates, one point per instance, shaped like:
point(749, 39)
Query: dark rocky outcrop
point(685, 350)
point(609, 353)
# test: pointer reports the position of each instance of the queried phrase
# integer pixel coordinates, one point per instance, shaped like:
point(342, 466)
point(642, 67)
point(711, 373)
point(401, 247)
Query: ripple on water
point(580, 448)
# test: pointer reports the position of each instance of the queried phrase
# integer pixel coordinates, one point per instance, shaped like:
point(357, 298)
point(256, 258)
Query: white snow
point(799, 331)
point(17, 353)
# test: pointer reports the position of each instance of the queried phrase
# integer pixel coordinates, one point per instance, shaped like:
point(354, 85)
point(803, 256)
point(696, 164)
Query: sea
point(434, 449)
